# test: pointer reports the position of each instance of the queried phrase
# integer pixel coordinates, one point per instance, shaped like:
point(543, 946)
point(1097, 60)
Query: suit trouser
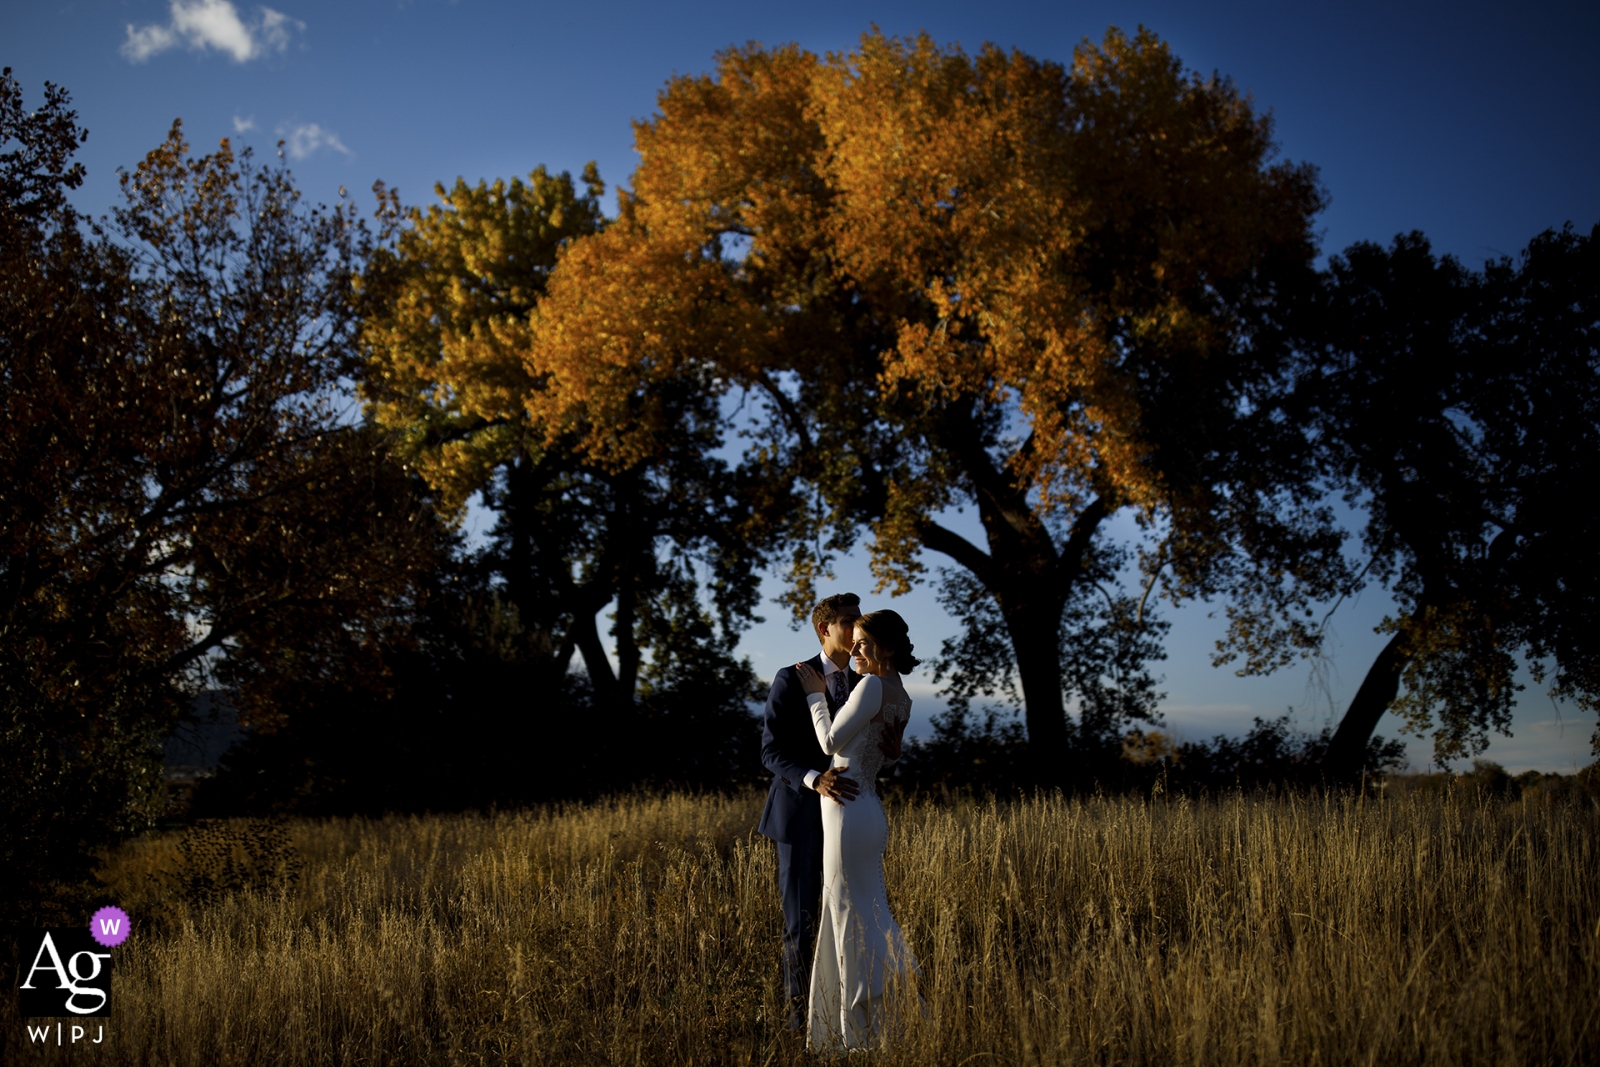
point(800, 881)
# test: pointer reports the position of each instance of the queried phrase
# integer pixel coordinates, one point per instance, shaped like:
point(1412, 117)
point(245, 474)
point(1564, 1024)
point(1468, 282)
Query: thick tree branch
point(788, 409)
point(957, 548)
point(1082, 535)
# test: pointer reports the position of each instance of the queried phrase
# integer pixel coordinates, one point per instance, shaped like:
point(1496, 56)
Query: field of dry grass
point(1325, 931)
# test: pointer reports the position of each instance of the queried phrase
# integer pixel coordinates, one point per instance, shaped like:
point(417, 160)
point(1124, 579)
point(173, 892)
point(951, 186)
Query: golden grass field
point(1331, 930)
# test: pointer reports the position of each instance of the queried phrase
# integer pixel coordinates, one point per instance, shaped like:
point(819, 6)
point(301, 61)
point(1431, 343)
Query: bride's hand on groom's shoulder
point(810, 678)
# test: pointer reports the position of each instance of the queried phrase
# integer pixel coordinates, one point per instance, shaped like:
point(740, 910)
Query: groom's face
point(838, 635)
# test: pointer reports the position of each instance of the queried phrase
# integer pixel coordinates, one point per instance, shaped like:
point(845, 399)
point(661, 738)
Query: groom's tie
point(838, 690)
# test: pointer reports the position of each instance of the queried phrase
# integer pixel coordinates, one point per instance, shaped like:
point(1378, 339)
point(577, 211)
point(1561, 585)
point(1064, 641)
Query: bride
point(858, 944)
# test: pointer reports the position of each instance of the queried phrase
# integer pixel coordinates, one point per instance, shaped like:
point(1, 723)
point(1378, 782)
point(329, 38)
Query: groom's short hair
point(828, 611)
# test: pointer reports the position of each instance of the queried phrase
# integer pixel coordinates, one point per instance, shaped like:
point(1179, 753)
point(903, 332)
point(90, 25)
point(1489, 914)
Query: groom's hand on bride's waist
point(831, 783)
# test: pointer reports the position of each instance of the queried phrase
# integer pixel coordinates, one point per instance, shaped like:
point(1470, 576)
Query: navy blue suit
point(793, 818)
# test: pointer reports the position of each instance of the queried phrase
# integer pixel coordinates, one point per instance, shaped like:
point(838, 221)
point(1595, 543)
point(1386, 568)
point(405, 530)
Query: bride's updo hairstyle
point(888, 630)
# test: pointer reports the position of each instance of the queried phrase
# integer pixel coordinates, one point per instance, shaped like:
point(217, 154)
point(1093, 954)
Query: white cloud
point(306, 138)
point(213, 24)
point(204, 24)
point(144, 43)
point(275, 28)
point(243, 125)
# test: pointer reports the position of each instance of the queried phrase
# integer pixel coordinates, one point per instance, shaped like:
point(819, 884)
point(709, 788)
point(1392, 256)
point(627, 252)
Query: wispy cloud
point(243, 125)
point(275, 28)
point(147, 41)
point(208, 24)
point(302, 140)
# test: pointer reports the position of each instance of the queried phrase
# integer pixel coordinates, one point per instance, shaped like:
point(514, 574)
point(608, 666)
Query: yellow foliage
point(447, 342)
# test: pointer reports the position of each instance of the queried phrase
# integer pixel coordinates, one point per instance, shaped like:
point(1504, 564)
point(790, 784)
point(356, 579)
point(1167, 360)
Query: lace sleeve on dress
point(863, 704)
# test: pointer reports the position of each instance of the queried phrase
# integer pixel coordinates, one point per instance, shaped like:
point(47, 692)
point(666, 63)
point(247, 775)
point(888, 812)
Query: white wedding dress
point(859, 945)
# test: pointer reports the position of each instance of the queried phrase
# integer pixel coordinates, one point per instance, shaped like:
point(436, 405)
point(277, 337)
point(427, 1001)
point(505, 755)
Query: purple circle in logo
point(109, 926)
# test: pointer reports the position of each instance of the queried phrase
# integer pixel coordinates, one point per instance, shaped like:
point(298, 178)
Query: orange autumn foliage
point(1053, 236)
point(938, 279)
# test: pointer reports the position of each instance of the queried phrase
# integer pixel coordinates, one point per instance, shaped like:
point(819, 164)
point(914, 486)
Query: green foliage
point(981, 752)
point(1462, 410)
point(695, 699)
point(1272, 753)
point(1106, 645)
point(446, 295)
point(985, 755)
point(667, 540)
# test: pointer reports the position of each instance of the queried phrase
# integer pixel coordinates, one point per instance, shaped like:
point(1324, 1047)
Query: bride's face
point(865, 651)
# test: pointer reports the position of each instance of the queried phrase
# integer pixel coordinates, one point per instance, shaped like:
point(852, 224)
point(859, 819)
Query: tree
point(178, 487)
point(1270, 754)
point(451, 727)
point(470, 716)
point(1463, 410)
point(453, 300)
point(986, 281)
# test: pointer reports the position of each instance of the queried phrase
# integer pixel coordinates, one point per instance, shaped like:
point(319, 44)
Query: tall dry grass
point(1240, 931)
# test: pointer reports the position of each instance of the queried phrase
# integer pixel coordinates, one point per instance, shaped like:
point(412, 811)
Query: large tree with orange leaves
point(988, 280)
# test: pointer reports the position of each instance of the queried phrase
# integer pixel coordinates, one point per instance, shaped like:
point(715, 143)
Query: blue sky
point(1476, 123)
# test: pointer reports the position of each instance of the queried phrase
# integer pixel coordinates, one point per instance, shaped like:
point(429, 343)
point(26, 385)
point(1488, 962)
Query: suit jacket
point(789, 749)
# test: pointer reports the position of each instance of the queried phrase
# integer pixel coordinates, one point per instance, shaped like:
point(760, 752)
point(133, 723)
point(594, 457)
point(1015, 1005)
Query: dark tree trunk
point(1035, 630)
point(526, 590)
point(630, 546)
point(517, 506)
point(1031, 589)
point(1348, 748)
point(586, 635)
point(1031, 579)
point(629, 655)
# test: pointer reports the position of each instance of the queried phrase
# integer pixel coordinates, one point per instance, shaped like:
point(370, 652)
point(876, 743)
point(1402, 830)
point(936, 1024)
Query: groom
point(801, 778)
